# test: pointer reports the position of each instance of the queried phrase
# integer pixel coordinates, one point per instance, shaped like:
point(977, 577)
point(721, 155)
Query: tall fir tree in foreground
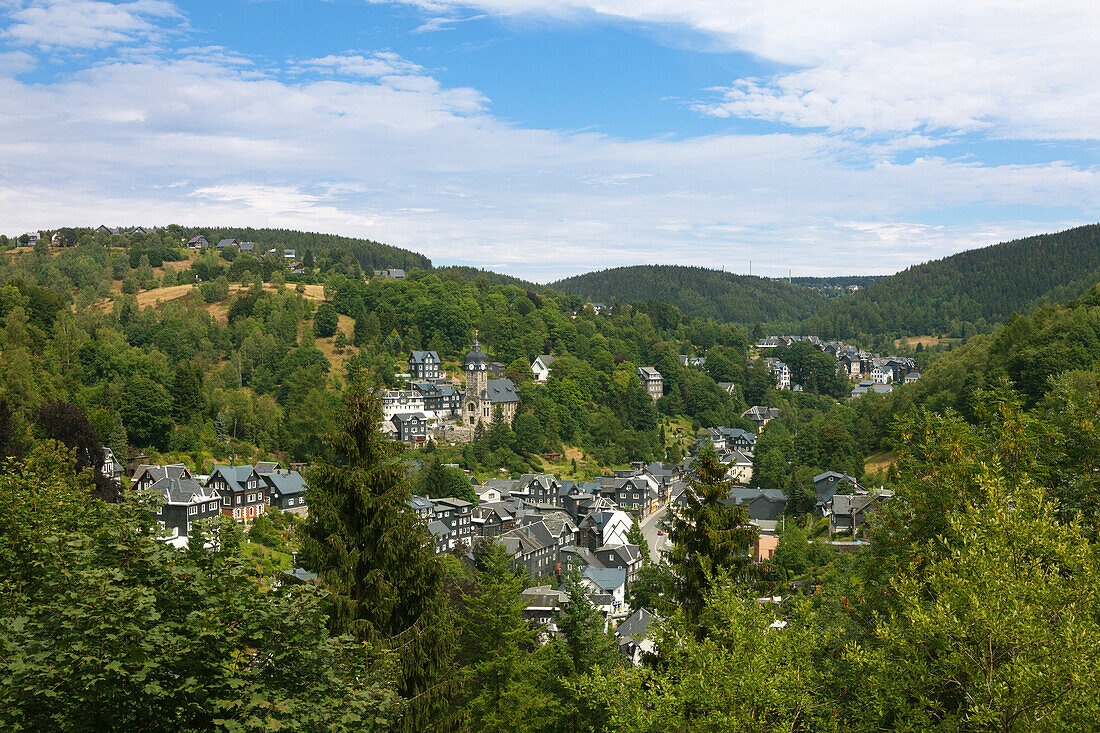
point(709, 538)
point(370, 552)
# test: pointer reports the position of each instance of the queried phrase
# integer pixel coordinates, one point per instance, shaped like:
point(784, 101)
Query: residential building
point(424, 365)
point(457, 516)
point(760, 415)
point(243, 491)
point(652, 381)
point(412, 427)
point(829, 483)
point(633, 639)
point(441, 401)
point(399, 401)
point(181, 501)
point(287, 490)
point(541, 366)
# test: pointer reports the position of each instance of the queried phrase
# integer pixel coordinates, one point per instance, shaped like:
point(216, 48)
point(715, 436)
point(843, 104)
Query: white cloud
point(1013, 69)
point(370, 144)
point(86, 24)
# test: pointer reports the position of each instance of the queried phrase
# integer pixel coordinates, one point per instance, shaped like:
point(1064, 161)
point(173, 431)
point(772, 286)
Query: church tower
point(477, 378)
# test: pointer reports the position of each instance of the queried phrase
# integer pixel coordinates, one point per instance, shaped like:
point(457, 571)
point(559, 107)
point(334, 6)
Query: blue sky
point(549, 138)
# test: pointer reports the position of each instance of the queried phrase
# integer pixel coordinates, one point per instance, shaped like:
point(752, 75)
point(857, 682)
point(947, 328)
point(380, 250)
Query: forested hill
point(699, 292)
point(970, 292)
point(369, 254)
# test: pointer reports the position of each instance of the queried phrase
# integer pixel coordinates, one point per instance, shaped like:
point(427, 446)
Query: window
point(192, 510)
point(240, 498)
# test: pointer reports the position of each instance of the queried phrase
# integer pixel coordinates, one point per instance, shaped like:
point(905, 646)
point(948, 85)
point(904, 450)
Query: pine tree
point(186, 391)
point(117, 441)
point(709, 538)
point(636, 537)
point(370, 552)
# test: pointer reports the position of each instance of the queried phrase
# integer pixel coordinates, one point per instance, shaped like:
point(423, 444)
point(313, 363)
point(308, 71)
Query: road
point(657, 543)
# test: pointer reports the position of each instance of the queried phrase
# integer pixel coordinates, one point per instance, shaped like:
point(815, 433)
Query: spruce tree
point(709, 537)
point(370, 551)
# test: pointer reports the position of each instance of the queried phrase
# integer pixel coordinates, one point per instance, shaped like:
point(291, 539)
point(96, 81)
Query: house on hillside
point(181, 500)
point(287, 490)
point(761, 415)
point(223, 244)
point(244, 493)
point(198, 242)
point(541, 366)
point(827, 484)
point(652, 382)
point(424, 365)
point(412, 427)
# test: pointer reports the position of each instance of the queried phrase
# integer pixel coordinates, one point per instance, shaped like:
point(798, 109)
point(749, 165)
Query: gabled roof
point(606, 579)
point(408, 417)
point(637, 626)
point(419, 503)
point(833, 474)
point(175, 470)
point(500, 391)
point(227, 243)
point(176, 490)
point(420, 357)
point(235, 476)
point(285, 483)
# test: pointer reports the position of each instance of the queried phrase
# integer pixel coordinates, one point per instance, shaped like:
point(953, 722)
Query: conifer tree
point(370, 552)
point(636, 537)
point(709, 538)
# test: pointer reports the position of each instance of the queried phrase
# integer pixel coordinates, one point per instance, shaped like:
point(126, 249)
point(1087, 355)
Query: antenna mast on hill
point(750, 268)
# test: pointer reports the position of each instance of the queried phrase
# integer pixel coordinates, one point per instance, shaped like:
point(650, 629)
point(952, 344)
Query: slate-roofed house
point(228, 243)
point(421, 505)
point(457, 515)
point(243, 491)
point(626, 557)
point(760, 503)
point(398, 401)
point(652, 381)
point(395, 274)
point(287, 490)
point(198, 242)
point(441, 536)
point(542, 604)
point(182, 500)
point(636, 494)
point(847, 512)
point(868, 386)
point(611, 581)
point(412, 427)
point(146, 475)
point(440, 400)
point(424, 365)
point(828, 483)
point(104, 229)
point(541, 366)
point(492, 519)
point(111, 468)
point(532, 547)
point(143, 230)
point(632, 636)
point(538, 488)
point(780, 371)
point(761, 415)
point(605, 528)
point(912, 377)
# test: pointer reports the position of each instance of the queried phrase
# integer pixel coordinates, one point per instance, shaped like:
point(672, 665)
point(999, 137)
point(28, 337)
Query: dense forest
point(699, 293)
point(967, 293)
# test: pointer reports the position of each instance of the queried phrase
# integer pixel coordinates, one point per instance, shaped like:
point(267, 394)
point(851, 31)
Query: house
point(492, 519)
point(229, 243)
point(33, 237)
point(541, 604)
point(457, 516)
point(400, 401)
point(608, 527)
point(760, 503)
point(912, 377)
point(848, 512)
point(538, 489)
point(441, 536)
point(868, 386)
point(827, 484)
point(421, 506)
point(440, 400)
point(693, 361)
point(496, 369)
point(243, 491)
point(636, 494)
point(770, 342)
point(780, 371)
point(730, 387)
point(111, 468)
point(146, 475)
point(484, 396)
point(104, 229)
point(625, 557)
point(633, 639)
point(739, 466)
point(395, 274)
point(541, 366)
point(724, 439)
point(412, 427)
point(652, 382)
point(610, 581)
point(287, 490)
point(143, 230)
point(288, 254)
point(882, 374)
point(181, 500)
point(424, 365)
point(760, 415)
point(197, 242)
point(532, 547)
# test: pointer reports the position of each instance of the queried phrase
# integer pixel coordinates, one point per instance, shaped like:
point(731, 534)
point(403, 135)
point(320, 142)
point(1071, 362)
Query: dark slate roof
point(177, 490)
point(234, 475)
point(649, 373)
point(408, 417)
point(742, 496)
point(266, 466)
point(637, 626)
point(285, 483)
point(833, 474)
point(476, 355)
point(419, 503)
point(226, 243)
point(501, 390)
point(159, 472)
point(438, 529)
point(418, 357)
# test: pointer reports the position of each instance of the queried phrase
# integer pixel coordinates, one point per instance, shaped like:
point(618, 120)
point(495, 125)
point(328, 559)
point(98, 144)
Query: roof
point(438, 529)
point(266, 466)
point(649, 373)
point(177, 490)
point(743, 496)
point(607, 579)
point(635, 626)
point(285, 483)
point(408, 417)
point(233, 474)
point(419, 503)
point(476, 356)
point(501, 390)
point(419, 357)
point(227, 243)
point(833, 474)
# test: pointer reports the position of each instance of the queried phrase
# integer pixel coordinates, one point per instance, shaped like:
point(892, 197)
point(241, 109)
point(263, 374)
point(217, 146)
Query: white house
point(541, 366)
point(396, 402)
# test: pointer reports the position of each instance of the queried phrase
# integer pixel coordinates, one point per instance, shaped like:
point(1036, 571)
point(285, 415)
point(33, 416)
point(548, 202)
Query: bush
point(213, 292)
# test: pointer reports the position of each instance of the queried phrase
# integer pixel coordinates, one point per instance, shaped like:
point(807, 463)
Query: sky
point(545, 139)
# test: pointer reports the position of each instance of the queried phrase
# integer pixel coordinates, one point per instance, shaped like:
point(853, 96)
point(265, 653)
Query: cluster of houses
point(242, 493)
point(872, 373)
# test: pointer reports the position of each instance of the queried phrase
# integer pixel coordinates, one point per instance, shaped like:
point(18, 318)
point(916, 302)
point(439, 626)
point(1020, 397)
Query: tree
point(69, 424)
point(105, 627)
point(709, 538)
point(496, 646)
point(145, 414)
point(636, 537)
point(793, 551)
point(438, 481)
point(528, 433)
point(325, 320)
point(652, 588)
point(369, 551)
point(187, 399)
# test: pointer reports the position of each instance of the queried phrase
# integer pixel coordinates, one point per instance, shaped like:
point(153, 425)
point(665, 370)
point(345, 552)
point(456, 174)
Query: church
point(483, 395)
